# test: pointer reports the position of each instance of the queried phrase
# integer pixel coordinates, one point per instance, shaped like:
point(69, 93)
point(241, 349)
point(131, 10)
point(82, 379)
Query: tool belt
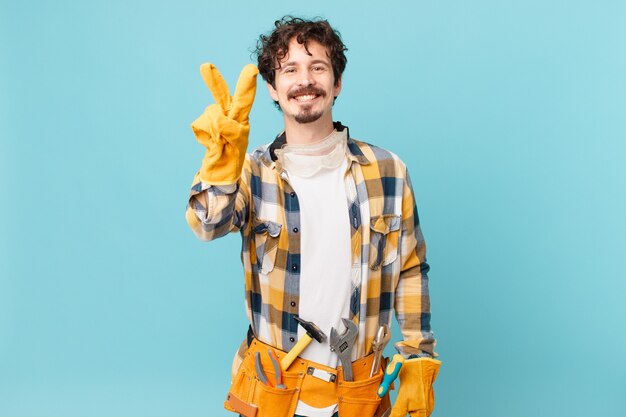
point(315, 384)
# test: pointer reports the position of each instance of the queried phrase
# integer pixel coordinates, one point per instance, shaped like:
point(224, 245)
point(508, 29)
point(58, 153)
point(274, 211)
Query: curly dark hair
point(272, 48)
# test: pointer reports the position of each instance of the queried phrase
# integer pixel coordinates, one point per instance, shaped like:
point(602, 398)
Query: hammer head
point(312, 330)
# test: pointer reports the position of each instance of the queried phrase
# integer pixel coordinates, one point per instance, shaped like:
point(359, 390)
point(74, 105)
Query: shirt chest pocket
point(384, 240)
point(265, 235)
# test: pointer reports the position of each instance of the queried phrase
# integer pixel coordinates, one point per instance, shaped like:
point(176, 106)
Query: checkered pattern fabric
point(389, 268)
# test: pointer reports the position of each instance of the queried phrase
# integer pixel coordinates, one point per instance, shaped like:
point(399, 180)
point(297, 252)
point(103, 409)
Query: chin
point(304, 118)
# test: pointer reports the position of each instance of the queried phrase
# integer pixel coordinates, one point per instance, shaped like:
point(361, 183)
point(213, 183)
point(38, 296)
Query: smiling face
point(304, 85)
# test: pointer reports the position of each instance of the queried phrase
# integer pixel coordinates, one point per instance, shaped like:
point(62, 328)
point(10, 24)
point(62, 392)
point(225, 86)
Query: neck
point(307, 133)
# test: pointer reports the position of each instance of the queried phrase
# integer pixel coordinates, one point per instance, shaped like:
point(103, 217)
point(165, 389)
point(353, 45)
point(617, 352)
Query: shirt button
point(292, 194)
point(295, 230)
point(293, 303)
point(294, 267)
point(291, 339)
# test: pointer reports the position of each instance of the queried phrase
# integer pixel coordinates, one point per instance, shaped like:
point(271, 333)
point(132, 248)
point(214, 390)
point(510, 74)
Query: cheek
point(281, 91)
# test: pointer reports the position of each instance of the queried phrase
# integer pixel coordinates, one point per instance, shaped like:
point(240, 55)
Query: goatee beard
point(306, 116)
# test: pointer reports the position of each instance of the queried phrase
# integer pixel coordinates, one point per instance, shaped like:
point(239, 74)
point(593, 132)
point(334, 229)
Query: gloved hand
point(223, 128)
point(416, 395)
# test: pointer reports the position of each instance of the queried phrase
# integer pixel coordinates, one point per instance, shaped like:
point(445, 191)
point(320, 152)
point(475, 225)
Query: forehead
point(298, 52)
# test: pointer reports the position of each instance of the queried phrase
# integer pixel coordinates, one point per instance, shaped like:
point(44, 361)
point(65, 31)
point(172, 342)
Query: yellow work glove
point(223, 128)
point(415, 395)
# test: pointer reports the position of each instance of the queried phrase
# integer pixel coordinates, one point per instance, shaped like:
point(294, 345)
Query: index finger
point(244, 94)
point(216, 83)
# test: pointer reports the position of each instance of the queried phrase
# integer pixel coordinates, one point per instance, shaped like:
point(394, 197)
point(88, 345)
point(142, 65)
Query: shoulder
point(260, 152)
point(259, 159)
point(386, 162)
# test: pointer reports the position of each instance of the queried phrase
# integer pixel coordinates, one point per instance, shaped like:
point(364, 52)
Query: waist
point(300, 366)
point(306, 381)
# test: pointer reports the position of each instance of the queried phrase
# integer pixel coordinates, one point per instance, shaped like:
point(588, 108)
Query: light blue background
point(510, 116)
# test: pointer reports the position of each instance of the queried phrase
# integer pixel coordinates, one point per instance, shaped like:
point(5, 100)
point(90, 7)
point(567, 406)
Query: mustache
point(306, 91)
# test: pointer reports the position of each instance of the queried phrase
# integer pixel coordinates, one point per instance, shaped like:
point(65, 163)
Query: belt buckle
point(321, 374)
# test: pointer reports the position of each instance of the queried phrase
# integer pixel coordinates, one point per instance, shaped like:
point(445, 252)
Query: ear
point(337, 87)
point(272, 91)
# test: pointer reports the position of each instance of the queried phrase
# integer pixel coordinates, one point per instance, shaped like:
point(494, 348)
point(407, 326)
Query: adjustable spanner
point(342, 346)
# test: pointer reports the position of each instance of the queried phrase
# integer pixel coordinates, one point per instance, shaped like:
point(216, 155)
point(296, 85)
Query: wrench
point(378, 346)
point(342, 346)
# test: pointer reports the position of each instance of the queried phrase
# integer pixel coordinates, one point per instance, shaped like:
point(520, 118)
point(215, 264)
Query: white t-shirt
point(325, 261)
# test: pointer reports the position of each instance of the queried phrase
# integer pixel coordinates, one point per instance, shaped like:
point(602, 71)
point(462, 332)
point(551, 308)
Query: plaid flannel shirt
point(389, 268)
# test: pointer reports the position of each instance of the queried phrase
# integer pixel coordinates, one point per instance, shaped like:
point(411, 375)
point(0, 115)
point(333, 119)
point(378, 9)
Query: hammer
point(312, 332)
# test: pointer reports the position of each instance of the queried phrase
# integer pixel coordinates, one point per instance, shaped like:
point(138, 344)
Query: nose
point(306, 79)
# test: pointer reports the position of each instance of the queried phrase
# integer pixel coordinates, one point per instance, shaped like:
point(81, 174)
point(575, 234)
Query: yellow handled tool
point(312, 332)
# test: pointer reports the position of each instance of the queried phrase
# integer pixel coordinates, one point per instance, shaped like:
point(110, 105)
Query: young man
point(330, 236)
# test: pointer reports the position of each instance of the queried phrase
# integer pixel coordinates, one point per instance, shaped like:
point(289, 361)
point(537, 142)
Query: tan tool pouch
point(359, 398)
point(250, 397)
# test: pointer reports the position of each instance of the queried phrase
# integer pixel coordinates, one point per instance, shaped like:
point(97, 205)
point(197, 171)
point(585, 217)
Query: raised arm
point(219, 198)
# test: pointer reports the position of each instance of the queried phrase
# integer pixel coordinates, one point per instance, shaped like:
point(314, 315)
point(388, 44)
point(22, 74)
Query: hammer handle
point(295, 351)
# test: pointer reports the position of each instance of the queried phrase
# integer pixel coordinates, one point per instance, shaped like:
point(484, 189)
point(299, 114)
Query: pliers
point(261, 373)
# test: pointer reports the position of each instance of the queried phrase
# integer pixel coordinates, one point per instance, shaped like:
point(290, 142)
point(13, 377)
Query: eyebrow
point(315, 61)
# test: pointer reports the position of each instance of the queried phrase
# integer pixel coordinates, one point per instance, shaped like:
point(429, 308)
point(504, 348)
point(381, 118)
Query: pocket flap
point(265, 243)
point(385, 223)
point(260, 226)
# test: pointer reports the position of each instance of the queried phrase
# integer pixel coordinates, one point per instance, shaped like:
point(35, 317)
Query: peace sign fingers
point(224, 127)
point(216, 83)
point(244, 94)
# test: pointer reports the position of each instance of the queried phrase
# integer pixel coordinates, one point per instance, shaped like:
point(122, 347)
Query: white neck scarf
point(307, 160)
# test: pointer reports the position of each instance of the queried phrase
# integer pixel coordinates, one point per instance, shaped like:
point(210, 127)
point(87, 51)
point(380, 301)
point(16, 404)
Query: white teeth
point(305, 98)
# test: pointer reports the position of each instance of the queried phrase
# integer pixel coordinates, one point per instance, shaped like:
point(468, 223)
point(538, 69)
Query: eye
point(319, 68)
point(289, 70)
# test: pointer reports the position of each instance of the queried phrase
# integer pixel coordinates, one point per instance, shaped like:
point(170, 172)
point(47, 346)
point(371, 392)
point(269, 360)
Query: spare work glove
point(223, 128)
point(415, 395)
